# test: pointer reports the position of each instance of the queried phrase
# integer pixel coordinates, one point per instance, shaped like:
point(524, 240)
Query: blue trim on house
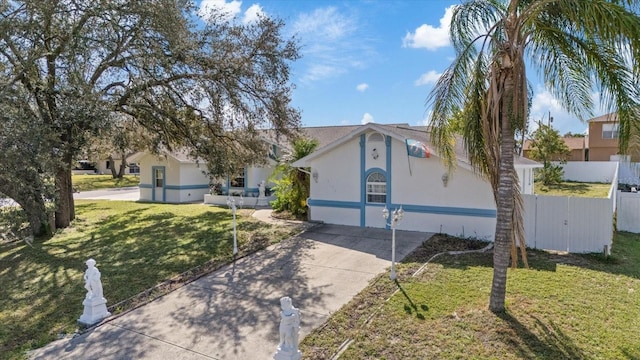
point(335, 204)
point(363, 179)
point(145, 186)
point(164, 183)
point(421, 209)
point(187, 187)
point(387, 141)
point(246, 179)
point(447, 210)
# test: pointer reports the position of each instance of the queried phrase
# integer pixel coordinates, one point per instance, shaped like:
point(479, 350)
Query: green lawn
point(95, 182)
point(136, 246)
point(577, 189)
point(563, 307)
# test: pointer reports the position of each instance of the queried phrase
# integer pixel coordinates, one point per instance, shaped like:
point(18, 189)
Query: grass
point(96, 182)
point(562, 307)
point(136, 246)
point(577, 189)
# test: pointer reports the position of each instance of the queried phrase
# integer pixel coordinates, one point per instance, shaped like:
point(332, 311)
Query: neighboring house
point(104, 166)
point(578, 147)
point(603, 137)
point(361, 172)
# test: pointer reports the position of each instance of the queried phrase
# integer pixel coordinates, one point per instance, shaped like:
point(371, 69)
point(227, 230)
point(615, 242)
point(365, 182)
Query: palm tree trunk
point(505, 203)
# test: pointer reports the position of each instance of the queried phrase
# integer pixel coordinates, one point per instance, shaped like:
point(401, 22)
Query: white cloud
point(545, 104)
point(429, 37)
point(225, 10)
point(367, 118)
point(321, 71)
point(253, 12)
point(330, 41)
point(326, 23)
point(427, 78)
point(362, 87)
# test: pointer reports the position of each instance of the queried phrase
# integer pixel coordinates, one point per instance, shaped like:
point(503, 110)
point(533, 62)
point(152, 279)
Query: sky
point(373, 60)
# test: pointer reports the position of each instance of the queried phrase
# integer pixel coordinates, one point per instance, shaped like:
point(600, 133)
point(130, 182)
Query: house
point(578, 147)
point(603, 137)
point(175, 177)
point(374, 166)
point(104, 166)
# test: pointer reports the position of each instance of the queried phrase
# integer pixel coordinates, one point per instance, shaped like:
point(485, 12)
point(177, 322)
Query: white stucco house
point(356, 172)
point(368, 168)
point(175, 177)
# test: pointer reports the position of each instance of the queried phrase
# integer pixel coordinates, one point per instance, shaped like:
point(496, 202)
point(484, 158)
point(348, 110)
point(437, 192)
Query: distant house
point(603, 137)
point(373, 166)
point(104, 166)
point(578, 147)
point(601, 144)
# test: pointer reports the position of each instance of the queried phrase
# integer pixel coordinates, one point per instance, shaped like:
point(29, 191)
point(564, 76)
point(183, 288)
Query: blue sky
point(372, 60)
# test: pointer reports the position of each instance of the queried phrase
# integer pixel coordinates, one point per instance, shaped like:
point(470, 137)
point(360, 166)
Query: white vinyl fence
point(628, 215)
point(574, 224)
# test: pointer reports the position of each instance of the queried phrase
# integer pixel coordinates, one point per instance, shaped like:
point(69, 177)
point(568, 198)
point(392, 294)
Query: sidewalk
point(233, 313)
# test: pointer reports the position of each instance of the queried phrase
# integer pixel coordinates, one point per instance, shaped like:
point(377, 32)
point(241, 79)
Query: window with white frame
point(159, 177)
point(609, 131)
point(238, 180)
point(376, 188)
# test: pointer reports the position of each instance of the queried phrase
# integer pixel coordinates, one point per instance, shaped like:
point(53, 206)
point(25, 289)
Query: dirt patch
point(440, 243)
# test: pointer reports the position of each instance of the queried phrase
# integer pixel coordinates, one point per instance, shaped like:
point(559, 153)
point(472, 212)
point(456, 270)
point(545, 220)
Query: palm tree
point(576, 46)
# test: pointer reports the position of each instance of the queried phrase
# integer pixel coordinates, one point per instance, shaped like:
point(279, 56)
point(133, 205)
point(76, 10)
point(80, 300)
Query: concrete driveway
point(233, 313)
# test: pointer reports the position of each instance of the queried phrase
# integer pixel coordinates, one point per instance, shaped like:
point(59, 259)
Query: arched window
point(376, 188)
point(376, 137)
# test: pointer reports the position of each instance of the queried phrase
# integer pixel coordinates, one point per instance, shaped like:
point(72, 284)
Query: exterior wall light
point(374, 153)
point(315, 175)
point(445, 179)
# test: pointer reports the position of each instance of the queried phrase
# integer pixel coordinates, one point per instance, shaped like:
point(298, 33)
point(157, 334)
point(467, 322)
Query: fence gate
point(573, 224)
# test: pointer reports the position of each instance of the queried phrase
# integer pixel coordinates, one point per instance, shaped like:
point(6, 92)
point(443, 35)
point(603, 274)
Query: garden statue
point(289, 331)
point(95, 305)
point(262, 201)
point(92, 280)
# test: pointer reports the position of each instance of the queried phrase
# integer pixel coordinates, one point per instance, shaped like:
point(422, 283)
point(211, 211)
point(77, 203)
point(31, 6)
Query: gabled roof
point(181, 156)
point(611, 117)
point(400, 132)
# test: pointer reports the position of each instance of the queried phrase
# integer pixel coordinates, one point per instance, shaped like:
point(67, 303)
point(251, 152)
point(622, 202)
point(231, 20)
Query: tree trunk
point(112, 167)
point(32, 204)
point(505, 203)
point(123, 166)
point(38, 218)
point(65, 209)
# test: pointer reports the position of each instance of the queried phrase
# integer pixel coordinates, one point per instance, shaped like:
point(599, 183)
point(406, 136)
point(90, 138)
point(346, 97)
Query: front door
point(158, 192)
